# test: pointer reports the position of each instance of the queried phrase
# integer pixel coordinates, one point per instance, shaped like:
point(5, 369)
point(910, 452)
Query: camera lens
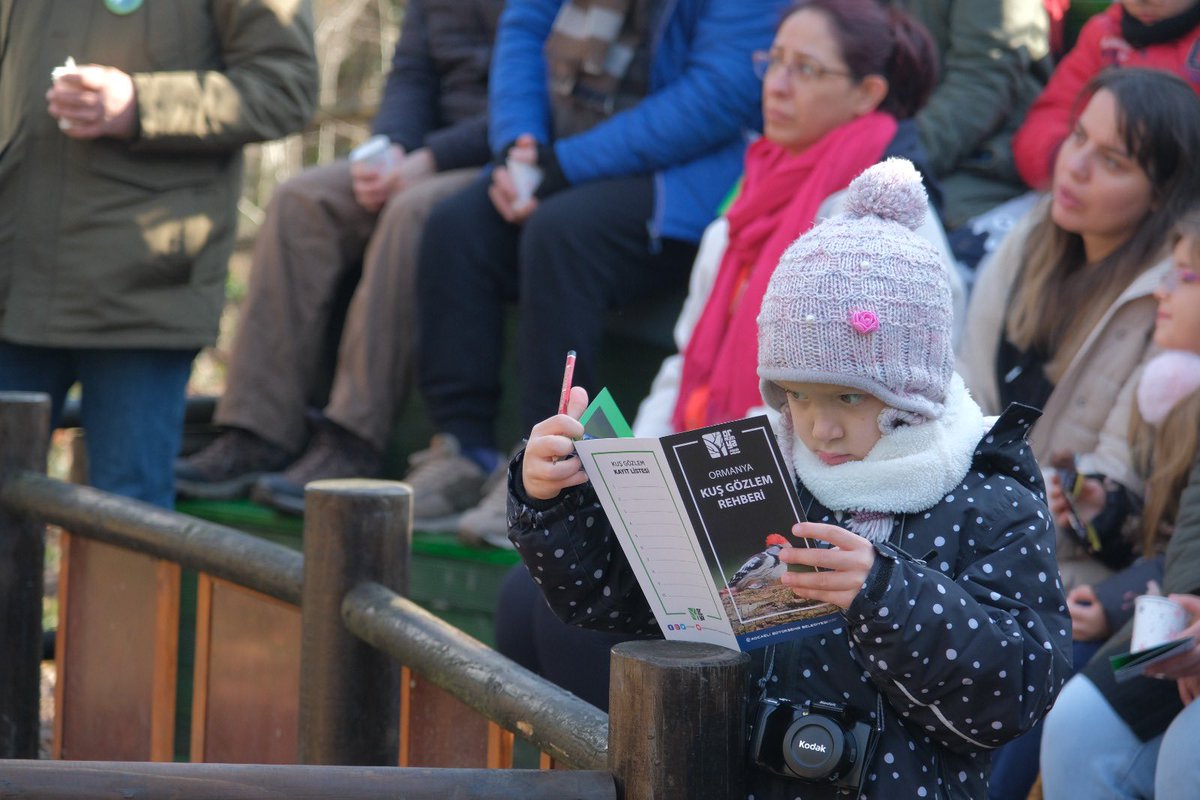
point(817, 748)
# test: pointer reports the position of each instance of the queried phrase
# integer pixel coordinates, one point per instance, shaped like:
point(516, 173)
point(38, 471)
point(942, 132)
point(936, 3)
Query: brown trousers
point(313, 236)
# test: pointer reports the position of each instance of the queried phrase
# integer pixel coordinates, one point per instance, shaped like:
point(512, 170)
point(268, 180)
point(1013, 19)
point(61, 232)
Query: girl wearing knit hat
point(842, 83)
point(1142, 733)
point(927, 520)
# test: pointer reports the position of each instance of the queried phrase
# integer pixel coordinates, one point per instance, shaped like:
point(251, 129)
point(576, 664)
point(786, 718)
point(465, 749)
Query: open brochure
point(1131, 665)
point(701, 516)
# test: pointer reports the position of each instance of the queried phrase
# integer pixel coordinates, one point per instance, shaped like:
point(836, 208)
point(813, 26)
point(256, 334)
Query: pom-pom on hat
point(862, 300)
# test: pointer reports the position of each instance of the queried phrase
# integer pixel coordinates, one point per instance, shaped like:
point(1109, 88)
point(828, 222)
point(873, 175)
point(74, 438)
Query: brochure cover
point(702, 516)
point(1131, 665)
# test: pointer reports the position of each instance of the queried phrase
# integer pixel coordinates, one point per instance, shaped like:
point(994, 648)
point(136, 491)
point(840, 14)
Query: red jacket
point(1100, 45)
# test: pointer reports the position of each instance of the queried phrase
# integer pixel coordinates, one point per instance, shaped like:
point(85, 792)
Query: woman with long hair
point(1061, 317)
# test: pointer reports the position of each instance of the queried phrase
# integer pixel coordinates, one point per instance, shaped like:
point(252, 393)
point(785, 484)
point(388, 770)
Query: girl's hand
point(846, 564)
point(550, 463)
point(1089, 623)
point(1184, 665)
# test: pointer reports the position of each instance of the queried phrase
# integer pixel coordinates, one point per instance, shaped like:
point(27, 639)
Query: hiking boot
point(487, 523)
point(444, 482)
point(334, 452)
point(228, 466)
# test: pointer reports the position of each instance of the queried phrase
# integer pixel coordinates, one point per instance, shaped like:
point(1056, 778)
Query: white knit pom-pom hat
point(861, 300)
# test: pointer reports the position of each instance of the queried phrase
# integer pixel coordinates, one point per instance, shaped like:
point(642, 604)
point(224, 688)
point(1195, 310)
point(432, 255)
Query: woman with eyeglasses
point(841, 83)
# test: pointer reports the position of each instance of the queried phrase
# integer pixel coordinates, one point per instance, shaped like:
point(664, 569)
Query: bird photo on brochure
point(762, 569)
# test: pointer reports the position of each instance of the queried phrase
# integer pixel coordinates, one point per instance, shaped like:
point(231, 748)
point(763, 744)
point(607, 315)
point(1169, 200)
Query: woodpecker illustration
point(761, 569)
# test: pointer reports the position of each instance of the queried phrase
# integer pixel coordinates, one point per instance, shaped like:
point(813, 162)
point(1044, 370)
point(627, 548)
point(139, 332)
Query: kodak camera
point(816, 741)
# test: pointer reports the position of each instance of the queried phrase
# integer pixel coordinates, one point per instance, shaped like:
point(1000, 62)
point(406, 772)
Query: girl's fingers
point(832, 581)
point(577, 402)
point(822, 558)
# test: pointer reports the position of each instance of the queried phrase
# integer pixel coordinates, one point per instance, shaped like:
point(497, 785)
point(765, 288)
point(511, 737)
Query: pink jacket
point(1100, 45)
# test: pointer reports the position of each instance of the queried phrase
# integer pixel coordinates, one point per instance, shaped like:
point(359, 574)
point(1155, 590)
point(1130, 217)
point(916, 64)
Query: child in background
point(929, 526)
point(1141, 734)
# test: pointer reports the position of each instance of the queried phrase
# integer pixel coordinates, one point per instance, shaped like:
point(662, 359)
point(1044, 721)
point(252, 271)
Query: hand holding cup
point(92, 101)
point(514, 184)
point(373, 171)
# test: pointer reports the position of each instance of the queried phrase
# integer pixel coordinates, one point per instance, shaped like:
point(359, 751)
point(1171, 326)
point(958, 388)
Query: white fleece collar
point(908, 470)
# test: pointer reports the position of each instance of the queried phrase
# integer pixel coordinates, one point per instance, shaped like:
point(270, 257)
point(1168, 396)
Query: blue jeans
point(132, 406)
point(1089, 751)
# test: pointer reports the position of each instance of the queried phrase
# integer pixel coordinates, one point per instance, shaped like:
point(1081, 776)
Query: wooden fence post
point(354, 531)
point(677, 720)
point(24, 437)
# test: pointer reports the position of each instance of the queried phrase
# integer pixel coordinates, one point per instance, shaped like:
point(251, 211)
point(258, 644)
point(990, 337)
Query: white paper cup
point(375, 153)
point(1156, 620)
point(526, 178)
point(68, 67)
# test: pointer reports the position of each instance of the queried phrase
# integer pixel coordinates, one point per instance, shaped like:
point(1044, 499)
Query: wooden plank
point(59, 780)
point(62, 640)
point(406, 682)
point(442, 731)
point(251, 682)
point(166, 661)
point(200, 666)
point(106, 709)
point(500, 747)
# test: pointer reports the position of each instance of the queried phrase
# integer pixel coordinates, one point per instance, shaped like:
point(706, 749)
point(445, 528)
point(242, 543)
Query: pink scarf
point(780, 196)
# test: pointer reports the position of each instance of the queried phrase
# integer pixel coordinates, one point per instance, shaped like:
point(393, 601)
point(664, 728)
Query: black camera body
point(815, 741)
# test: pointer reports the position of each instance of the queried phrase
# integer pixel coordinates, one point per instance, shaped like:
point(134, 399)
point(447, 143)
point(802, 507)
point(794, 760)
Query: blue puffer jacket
point(962, 653)
point(690, 131)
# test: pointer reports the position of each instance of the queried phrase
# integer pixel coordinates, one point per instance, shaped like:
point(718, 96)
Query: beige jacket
point(110, 243)
point(1088, 412)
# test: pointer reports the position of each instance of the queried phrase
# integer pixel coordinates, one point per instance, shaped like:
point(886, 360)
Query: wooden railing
point(677, 720)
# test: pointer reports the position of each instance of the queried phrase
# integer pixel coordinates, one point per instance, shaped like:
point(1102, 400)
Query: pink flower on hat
point(864, 321)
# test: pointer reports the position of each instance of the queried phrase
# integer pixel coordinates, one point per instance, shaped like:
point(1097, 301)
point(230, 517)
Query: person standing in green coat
point(119, 181)
point(995, 59)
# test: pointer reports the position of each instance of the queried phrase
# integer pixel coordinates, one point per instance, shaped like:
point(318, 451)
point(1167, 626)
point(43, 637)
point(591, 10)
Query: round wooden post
point(24, 437)
point(354, 531)
point(677, 720)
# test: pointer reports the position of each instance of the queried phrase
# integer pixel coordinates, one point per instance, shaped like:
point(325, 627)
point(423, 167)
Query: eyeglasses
point(1173, 278)
point(802, 70)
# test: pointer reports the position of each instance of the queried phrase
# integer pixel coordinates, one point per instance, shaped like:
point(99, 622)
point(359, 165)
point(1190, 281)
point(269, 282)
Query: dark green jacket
point(994, 62)
point(108, 243)
point(1148, 704)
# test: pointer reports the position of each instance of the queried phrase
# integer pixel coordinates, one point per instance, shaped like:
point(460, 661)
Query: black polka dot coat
point(961, 629)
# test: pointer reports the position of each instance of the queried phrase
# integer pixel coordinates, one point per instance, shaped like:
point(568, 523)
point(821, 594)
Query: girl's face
point(1178, 324)
point(836, 423)
point(1151, 11)
point(807, 88)
point(1100, 191)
